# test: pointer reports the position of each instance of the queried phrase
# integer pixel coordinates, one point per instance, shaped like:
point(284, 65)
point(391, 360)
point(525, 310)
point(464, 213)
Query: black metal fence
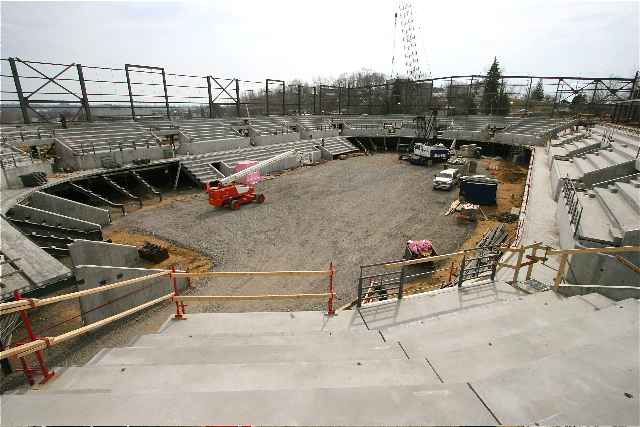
point(574, 207)
point(38, 92)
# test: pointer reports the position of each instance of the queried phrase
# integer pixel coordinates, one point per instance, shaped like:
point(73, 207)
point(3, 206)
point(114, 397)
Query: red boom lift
point(233, 195)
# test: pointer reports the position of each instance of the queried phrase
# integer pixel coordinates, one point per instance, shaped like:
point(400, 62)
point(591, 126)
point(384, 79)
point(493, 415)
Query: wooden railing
point(40, 343)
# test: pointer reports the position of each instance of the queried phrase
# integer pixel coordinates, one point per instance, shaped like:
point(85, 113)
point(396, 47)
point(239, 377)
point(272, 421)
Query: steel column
point(133, 112)
point(166, 95)
point(210, 97)
point(238, 97)
point(83, 88)
point(21, 98)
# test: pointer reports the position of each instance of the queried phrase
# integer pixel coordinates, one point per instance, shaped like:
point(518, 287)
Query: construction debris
point(506, 217)
point(153, 253)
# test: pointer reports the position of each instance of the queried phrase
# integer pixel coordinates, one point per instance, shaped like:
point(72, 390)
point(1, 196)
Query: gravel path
point(351, 212)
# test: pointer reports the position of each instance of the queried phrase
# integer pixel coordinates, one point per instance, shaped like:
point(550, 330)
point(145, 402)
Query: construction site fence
point(87, 93)
point(36, 344)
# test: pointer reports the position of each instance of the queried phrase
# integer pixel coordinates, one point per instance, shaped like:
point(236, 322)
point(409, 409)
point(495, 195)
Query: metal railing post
point(359, 304)
point(462, 265)
point(402, 277)
point(28, 371)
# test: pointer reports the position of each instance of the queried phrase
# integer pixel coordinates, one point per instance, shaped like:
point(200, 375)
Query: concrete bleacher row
point(595, 177)
point(480, 355)
point(38, 228)
point(208, 167)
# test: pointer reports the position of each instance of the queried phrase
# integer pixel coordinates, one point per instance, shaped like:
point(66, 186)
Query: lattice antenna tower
point(415, 94)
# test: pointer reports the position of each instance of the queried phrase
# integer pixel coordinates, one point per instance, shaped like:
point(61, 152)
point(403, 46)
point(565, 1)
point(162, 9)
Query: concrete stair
point(488, 354)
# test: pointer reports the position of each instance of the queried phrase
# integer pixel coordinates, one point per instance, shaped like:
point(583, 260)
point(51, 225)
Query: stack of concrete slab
point(28, 266)
point(486, 354)
point(53, 222)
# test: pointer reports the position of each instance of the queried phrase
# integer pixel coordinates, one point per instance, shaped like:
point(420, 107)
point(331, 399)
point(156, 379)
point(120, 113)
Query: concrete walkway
point(540, 224)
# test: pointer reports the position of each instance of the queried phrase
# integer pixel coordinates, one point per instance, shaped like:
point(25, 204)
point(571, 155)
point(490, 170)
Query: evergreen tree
point(537, 94)
point(493, 96)
point(579, 99)
point(393, 104)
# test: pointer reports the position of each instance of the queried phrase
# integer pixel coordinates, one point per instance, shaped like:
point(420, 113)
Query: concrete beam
point(88, 252)
point(69, 208)
point(91, 276)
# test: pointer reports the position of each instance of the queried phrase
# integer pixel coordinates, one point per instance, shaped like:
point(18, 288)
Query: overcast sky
point(286, 40)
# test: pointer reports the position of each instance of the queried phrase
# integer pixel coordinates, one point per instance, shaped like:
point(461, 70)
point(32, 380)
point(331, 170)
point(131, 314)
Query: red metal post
point(331, 310)
point(179, 306)
point(188, 278)
point(28, 371)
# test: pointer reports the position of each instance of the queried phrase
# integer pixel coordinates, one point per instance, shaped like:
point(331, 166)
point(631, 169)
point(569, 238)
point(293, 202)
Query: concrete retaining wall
point(91, 276)
point(609, 173)
point(124, 157)
point(565, 229)
point(602, 270)
point(10, 176)
point(50, 203)
point(187, 148)
point(88, 252)
point(275, 139)
point(365, 132)
point(21, 212)
point(314, 134)
point(556, 182)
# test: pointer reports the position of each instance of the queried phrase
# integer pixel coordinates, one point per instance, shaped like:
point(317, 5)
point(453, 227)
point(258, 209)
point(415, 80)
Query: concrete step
point(265, 322)
point(492, 357)
point(583, 165)
point(246, 354)
point(418, 308)
point(616, 407)
point(239, 377)
point(436, 404)
point(598, 161)
point(612, 157)
point(569, 387)
point(204, 340)
point(595, 224)
point(433, 338)
point(630, 193)
point(618, 209)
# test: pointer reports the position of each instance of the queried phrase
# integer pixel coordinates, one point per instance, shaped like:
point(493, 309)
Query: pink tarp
point(253, 177)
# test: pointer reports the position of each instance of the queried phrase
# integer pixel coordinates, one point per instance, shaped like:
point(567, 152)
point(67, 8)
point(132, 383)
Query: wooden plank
point(34, 346)
point(518, 265)
point(11, 306)
point(249, 297)
point(99, 289)
point(48, 383)
point(252, 273)
point(432, 258)
point(628, 264)
point(530, 263)
point(95, 325)
point(601, 286)
point(563, 263)
point(595, 250)
point(25, 349)
point(501, 264)
point(10, 261)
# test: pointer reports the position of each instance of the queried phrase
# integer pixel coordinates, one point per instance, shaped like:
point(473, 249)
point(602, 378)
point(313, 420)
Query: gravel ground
point(350, 212)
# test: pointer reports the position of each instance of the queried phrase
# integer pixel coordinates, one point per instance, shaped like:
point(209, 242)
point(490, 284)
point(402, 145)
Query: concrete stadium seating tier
point(482, 355)
point(608, 197)
point(84, 146)
point(208, 167)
